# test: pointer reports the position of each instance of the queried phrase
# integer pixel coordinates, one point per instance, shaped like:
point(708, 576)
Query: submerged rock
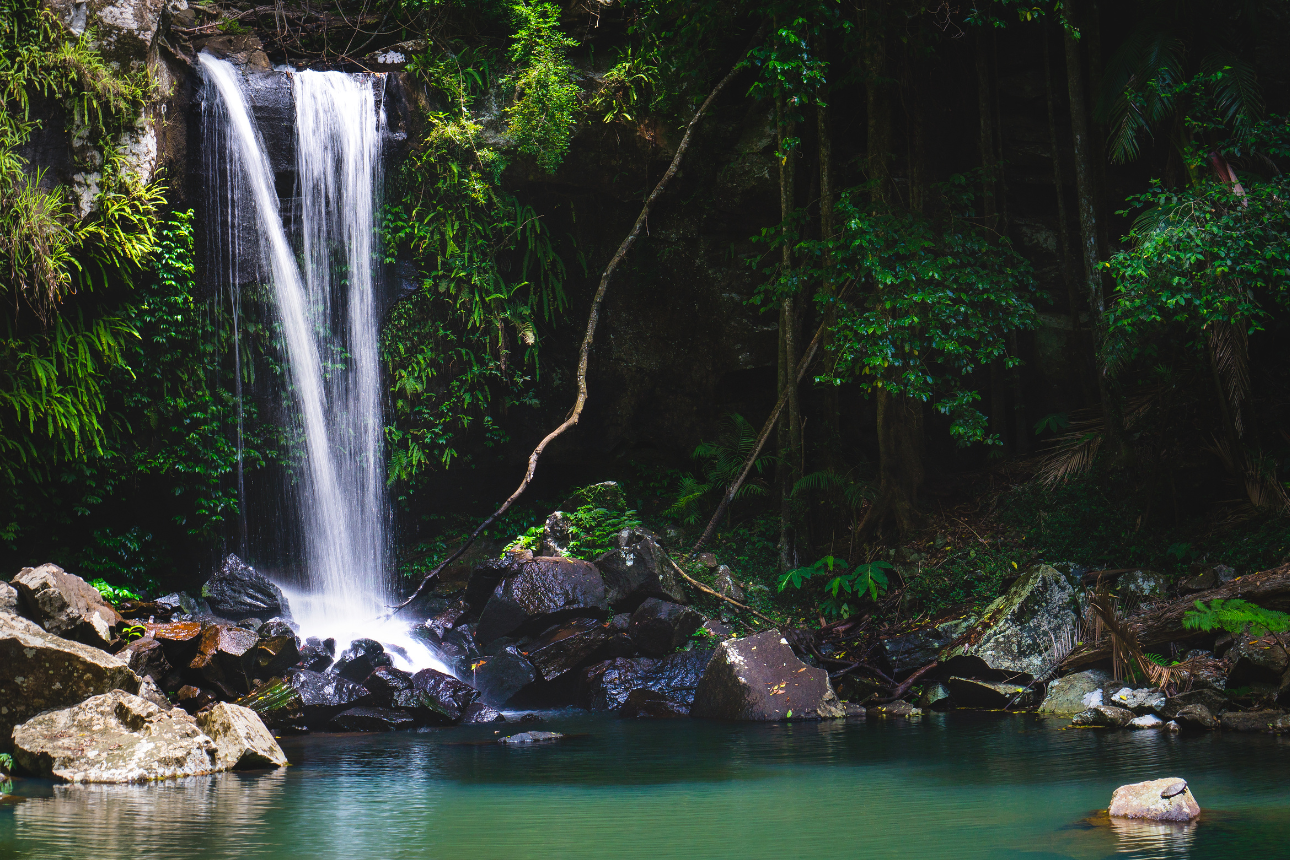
point(659, 627)
point(1016, 632)
point(1156, 800)
point(530, 738)
point(66, 605)
point(543, 592)
point(371, 720)
point(433, 697)
point(238, 591)
point(1074, 693)
point(40, 671)
point(113, 737)
point(637, 569)
point(760, 678)
point(606, 686)
point(240, 737)
point(898, 708)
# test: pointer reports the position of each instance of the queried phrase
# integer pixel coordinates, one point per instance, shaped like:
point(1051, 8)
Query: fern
point(1234, 616)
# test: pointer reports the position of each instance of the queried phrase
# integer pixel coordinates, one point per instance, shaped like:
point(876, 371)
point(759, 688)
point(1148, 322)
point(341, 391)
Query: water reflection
point(1150, 840)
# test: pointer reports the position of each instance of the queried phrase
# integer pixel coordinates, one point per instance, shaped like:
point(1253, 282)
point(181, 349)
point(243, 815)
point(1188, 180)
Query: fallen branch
point(699, 585)
point(584, 354)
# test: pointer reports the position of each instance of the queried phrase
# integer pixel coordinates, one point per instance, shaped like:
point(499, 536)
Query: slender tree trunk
point(832, 435)
point(1086, 190)
point(990, 209)
point(791, 435)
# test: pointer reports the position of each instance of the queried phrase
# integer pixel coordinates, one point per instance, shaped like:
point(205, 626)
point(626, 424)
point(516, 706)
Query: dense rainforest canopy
point(1034, 256)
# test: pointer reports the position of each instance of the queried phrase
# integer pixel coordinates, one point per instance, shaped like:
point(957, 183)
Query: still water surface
point(959, 787)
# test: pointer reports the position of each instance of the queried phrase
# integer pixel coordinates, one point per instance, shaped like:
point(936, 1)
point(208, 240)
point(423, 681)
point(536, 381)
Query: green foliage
point(870, 578)
point(721, 461)
point(1235, 616)
point(543, 113)
point(113, 594)
point(593, 526)
point(131, 632)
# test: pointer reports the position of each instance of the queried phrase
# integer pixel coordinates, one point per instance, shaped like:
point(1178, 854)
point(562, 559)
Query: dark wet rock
point(1074, 693)
point(1141, 701)
point(278, 704)
point(607, 685)
point(530, 738)
point(717, 630)
point(313, 656)
point(725, 584)
point(543, 592)
point(324, 696)
point(385, 682)
point(648, 704)
point(369, 719)
point(146, 656)
point(66, 605)
point(242, 741)
point(1202, 580)
point(277, 627)
point(182, 603)
point(179, 639)
point(40, 671)
point(1015, 634)
point(1196, 717)
point(500, 677)
point(557, 535)
point(1213, 701)
point(660, 627)
point(362, 658)
point(433, 697)
point(1256, 660)
point(224, 659)
point(478, 712)
point(238, 591)
point(853, 711)
point(858, 687)
point(637, 569)
point(8, 599)
point(915, 648)
point(1106, 716)
point(935, 697)
point(760, 678)
point(447, 618)
point(485, 578)
point(275, 655)
point(529, 718)
point(460, 650)
point(991, 695)
point(113, 737)
point(1252, 721)
point(252, 624)
point(193, 699)
point(567, 646)
point(899, 708)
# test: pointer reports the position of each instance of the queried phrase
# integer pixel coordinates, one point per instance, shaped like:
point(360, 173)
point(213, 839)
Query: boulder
point(557, 535)
point(760, 678)
point(637, 569)
point(385, 682)
point(1142, 584)
point(660, 627)
point(181, 603)
point(146, 656)
point(113, 737)
point(313, 656)
point(725, 584)
point(224, 658)
point(149, 691)
point(275, 628)
point(1074, 693)
point(1140, 701)
point(8, 599)
point(485, 578)
point(1146, 721)
point(567, 646)
point(193, 699)
point(1196, 717)
point(446, 619)
point(500, 677)
point(40, 671)
point(241, 739)
point(478, 712)
point(1202, 580)
point(1256, 660)
point(274, 655)
point(543, 592)
point(433, 697)
point(324, 696)
point(1251, 721)
point(1107, 716)
point(362, 658)
point(530, 738)
point(1155, 800)
point(991, 695)
point(66, 605)
point(935, 697)
point(607, 686)
point(179, 640)
point(915, 648)
point(371, 720)
point(648, 704)
point(1214, 702)
point(1015, 634)
point(238, 591)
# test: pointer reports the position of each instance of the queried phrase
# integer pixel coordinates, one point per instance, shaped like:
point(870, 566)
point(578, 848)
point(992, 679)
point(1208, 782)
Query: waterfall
point(328, 313)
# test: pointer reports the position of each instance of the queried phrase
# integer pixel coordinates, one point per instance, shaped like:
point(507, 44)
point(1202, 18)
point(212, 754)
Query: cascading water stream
point(329, 320)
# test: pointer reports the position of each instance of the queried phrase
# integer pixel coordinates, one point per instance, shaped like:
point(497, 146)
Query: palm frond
point(1237, 95)
point(1140, 89)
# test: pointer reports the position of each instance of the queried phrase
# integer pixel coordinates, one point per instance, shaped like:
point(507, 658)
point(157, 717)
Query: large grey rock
point(660, 627)
point(1196, 717)
point(40, 671)
point(1155, 800)
point(607, 686)
point(760, 678)
point(637, 569)
point(1213, 701)
point(66, 605)
point(1141, 701)
point(238, 591)
point(542, 592)
point(113, 737)
point(1253, 721)
point(240, 737)
point(1074, 693)
point(1017, 631)
point(8, 599)
point(1143, 584)
point(915, 648)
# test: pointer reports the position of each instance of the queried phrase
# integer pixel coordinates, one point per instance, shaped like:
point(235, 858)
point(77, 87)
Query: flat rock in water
point(607, 685)
point(530, 738)
point(66, 605)
point(660, 627)
point(371, 720)
point(1155, 800)
point(1015, 632)
point(1071, 694)
point(1146, 721)
point(241, 738)
point(114, 737)
point(40, 671)
point(898, 708)
point(237, 590)
point(760, 678)
point(1107, 716)
point(544, 591)
point(1253, 721)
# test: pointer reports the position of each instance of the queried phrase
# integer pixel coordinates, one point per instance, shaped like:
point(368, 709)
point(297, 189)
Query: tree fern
point(1235, 616)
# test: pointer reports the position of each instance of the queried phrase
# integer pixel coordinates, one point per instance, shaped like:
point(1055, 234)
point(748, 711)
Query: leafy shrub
point(1235, 616)
point(870, 579)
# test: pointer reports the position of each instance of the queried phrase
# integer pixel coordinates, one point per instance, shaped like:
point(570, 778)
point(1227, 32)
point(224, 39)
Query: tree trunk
point(791, 434)
point(832, 441)
point(1086, 190)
